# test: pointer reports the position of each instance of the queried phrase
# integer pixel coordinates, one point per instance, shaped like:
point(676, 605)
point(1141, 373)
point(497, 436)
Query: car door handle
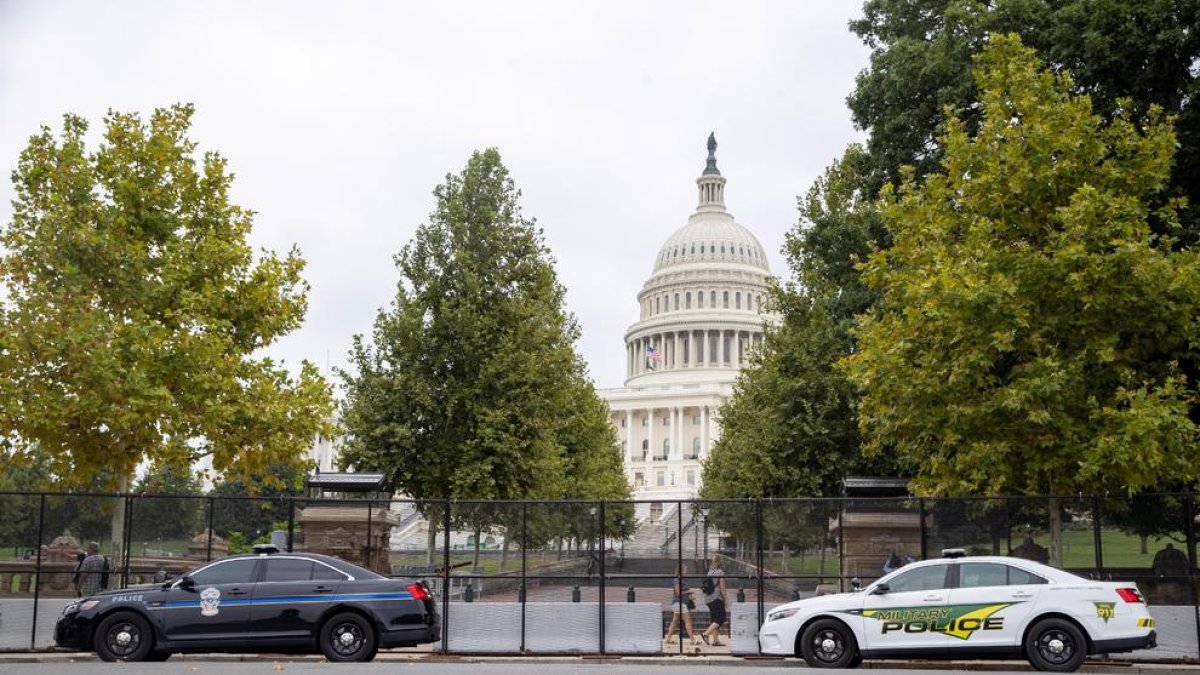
point(934, 598)
point(235, 591)
point(1022, 594)
point(323, 589)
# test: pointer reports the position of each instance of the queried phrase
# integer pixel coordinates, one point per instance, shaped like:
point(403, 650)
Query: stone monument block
point(360, 534)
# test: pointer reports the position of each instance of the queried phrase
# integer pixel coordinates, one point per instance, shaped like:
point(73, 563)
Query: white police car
point(958, 607)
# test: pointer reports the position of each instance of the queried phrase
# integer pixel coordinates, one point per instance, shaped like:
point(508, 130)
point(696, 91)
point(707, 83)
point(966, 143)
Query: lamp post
point(704, 517)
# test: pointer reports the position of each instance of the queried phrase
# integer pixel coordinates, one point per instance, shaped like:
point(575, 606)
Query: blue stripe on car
point(282, 599)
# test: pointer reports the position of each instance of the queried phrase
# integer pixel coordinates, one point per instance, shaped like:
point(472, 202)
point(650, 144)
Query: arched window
point(657, 305)
point(676, 302)
point(737, 300)
point(695, 447)
point(722, 247)
point(700, 299)
point(725, 298)
point(687, 300)
point(693, 249)
point(646, 444)
point(666, 446)
point(702, 249)
point(712, 299)
point(749, 301)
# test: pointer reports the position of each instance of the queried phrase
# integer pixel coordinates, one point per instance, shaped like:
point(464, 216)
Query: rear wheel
point(348, 637)
point(124, 636)
point(1055, 645)
point(829, 643)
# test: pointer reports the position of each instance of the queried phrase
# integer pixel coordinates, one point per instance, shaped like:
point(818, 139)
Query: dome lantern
point(710, 183)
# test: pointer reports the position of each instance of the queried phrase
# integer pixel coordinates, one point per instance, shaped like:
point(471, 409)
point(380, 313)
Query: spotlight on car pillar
point(954, 553)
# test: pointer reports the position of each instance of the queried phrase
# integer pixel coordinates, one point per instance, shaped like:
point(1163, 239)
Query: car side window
point(929, 578)
point(288, 569)
point(231, 572)
point(326, 573)
point(981, 575)
point(1019, 577)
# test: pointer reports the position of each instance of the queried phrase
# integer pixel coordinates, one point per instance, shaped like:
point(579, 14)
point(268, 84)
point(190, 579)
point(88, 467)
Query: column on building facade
point(675, 360)
point(650, 453)
point(675, 424)
point(741, 349)
point(704, 431)
point(629, 434)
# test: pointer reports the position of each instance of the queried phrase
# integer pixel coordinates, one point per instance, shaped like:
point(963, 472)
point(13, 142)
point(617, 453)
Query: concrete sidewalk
point(1127, 667)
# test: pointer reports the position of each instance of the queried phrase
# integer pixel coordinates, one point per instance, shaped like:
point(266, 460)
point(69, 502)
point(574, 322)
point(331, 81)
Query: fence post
point(127, 545)
point(841, 545)
point(371, 544)
point(37, 574)
point(679, 567)
point(1191, 544)
point(924, 538)
point(524, 563)
point(1097, 514)
point(209, 534)
point(446, 576)
point(603, 571)
point(761, 582)
point(291, 540)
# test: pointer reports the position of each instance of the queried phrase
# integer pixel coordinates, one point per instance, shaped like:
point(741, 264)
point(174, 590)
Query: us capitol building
point(700, 317)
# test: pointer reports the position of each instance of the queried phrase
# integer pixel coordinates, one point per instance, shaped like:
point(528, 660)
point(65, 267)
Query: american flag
point(652, 357)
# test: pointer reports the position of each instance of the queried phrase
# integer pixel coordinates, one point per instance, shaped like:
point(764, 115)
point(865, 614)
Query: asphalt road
point(424, 668)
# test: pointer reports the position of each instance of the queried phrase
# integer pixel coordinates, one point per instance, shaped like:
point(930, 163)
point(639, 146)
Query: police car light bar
point(954, 553)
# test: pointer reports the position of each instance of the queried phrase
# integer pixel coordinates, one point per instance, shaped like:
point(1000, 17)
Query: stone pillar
point(650, 433)
point(675, 360)
point(676, 423)
point(704, 431)
point(629, 434)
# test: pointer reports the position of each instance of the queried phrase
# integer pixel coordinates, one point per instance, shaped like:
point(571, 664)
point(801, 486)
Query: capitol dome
point(702, 307)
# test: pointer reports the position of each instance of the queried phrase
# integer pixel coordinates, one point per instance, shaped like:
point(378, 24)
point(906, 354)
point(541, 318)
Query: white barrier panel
point(1176, 627)
point(554, 627)
point(16, 617)
point(484, 627)
point(743, 627)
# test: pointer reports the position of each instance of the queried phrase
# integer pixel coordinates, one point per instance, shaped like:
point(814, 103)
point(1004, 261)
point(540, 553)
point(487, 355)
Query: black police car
point(262, 602)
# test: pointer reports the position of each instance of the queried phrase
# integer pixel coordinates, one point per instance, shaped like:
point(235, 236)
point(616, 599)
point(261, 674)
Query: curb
point(1124, 667)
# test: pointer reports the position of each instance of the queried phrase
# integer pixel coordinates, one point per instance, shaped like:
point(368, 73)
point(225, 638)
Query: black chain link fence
point(600, 577)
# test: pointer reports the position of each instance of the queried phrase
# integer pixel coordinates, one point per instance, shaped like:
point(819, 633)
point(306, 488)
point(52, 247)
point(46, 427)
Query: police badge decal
point(210, 601)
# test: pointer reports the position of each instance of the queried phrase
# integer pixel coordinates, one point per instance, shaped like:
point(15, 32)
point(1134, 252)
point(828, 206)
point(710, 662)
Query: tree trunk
point(117, 548)
point(821, 564)
point(1056, 559)
point(1143, 543)
point(504, 552)
point(784, 567)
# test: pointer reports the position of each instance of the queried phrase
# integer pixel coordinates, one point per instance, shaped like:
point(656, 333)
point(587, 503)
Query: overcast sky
point(339, 118)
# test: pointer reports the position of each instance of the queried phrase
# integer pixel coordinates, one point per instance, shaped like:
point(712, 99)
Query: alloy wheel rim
point(1056, 646)
point(123, 639)
point(829, 645)
point(346, 639)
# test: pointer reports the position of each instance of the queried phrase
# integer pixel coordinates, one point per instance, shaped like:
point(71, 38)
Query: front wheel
point(829, 643)
point(348, 637)
point(1055, 645)
point(124, 636)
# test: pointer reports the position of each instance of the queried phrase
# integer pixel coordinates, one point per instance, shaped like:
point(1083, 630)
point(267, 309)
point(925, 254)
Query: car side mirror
point(187, 583)
point(880, 589)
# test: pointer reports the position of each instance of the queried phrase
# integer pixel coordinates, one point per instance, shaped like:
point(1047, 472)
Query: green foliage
point(1031, 323)
point(254, 507)
point(789, 428)
point(237, 543)
point(1126, 54)
point(157, 517)
point(134, 308)
point(469, 387)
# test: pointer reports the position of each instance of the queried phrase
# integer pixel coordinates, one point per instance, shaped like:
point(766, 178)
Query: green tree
point(161, 512)
point(134, 309)
point(470, 387)
point(1128, 55)
point(253, 506)
point(1030, 316)
point(789, 428)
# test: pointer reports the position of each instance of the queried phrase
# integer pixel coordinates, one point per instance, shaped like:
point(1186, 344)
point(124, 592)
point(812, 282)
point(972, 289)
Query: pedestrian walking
point(716, 597)
point(93, 572)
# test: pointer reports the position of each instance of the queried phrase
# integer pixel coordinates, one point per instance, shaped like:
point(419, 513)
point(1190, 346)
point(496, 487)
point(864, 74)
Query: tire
point(829, 643)
point(348, 637)
point(124, 636)
point(1055, 645)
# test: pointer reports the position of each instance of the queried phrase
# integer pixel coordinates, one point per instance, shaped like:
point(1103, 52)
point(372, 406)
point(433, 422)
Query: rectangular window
point(691, 477)
point(660, 479)
point(696, 419)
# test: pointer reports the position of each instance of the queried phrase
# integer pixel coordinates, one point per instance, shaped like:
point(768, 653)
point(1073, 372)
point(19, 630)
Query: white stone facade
point(701, 316)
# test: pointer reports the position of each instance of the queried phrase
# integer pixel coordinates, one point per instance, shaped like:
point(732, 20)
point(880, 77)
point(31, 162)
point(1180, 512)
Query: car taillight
point(419, 592)
point(1130, 595)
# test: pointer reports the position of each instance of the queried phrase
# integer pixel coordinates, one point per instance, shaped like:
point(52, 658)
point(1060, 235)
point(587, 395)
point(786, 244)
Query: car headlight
point(79, 606)
point(781, 614)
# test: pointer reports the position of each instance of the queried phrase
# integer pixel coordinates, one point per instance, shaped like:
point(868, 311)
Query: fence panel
point(20, 562)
